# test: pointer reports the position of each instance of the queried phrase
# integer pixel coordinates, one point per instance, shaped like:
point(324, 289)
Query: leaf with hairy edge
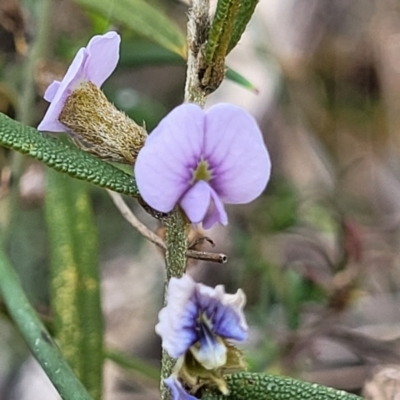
point(221, 30)
point(212, 62)
point(64, 157)
point(255, 386)
point(245, 12)
point(143, 18)
point(74, 278)
point(35, 334)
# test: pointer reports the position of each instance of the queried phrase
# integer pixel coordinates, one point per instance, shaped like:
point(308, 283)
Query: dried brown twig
point(157, 240)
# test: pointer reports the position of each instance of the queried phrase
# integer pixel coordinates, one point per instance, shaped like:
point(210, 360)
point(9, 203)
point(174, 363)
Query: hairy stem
point(198, 29)
point(175, 225)
point(175, 261)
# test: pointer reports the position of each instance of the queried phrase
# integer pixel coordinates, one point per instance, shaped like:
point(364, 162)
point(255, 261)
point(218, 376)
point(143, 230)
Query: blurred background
point(317, 254)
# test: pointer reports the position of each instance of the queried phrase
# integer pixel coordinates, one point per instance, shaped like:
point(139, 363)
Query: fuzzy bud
point(99, 127)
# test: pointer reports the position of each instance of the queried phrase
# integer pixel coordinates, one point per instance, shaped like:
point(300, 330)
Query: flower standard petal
point(237, 154)
point(103, 56)
point(90, 64)
point(164, 166)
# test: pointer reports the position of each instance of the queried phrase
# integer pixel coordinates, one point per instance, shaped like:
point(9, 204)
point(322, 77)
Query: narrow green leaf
point(245, 12)
point(230, 21)
point(74, 280)
point(221, 29)
point(141, 17)
point(91, 316)
point(240, 80)
point(38, 339)
point(213, 70)
point(64, 157)
point(255, 386)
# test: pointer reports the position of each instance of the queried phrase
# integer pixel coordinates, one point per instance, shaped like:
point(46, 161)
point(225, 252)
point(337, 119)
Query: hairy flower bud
point(99, 127)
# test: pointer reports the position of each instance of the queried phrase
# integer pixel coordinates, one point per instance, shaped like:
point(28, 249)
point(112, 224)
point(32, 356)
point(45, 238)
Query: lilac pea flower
point(199, 318)
point(202, 159)
point(93, 63)
point(177, 391)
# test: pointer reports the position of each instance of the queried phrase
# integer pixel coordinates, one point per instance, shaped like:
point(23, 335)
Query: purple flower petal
point(74, 73)
point(94, 63)
point(165, 164)
point(51, 91)
point(216, 212)
point(201, 160)
point(177, 320)
point(103, 56)
point(235, 150)
point(224, 310)
point(177, 391)
point(196, 201)
point(201, 203)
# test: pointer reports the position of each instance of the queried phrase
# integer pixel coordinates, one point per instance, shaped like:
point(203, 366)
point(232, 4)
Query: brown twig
point(148, 234)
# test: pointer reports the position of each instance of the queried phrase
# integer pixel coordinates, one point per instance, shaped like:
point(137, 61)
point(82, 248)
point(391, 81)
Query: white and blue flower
point(200, 319)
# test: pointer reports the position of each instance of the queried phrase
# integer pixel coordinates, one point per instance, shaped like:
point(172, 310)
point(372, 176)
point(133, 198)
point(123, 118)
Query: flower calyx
point(99, 127)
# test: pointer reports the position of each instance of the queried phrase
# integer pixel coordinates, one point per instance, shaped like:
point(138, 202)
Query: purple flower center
point(204, 326)
point(203, 172)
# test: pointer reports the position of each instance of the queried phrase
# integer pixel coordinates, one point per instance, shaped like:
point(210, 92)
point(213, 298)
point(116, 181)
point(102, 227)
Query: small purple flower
point(177, 391)
point(93, 63)
point(199, 318)
point(201, 160)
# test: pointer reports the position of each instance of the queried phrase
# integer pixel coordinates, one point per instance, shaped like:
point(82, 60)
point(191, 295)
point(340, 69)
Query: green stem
point(175, 262)
point(175, 224)
point(176, 242)
point(37, 337)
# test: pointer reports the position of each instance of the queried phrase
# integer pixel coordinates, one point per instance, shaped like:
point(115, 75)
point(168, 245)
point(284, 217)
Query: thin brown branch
point(131, 218)
point(219, 258)
point(152, 237)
